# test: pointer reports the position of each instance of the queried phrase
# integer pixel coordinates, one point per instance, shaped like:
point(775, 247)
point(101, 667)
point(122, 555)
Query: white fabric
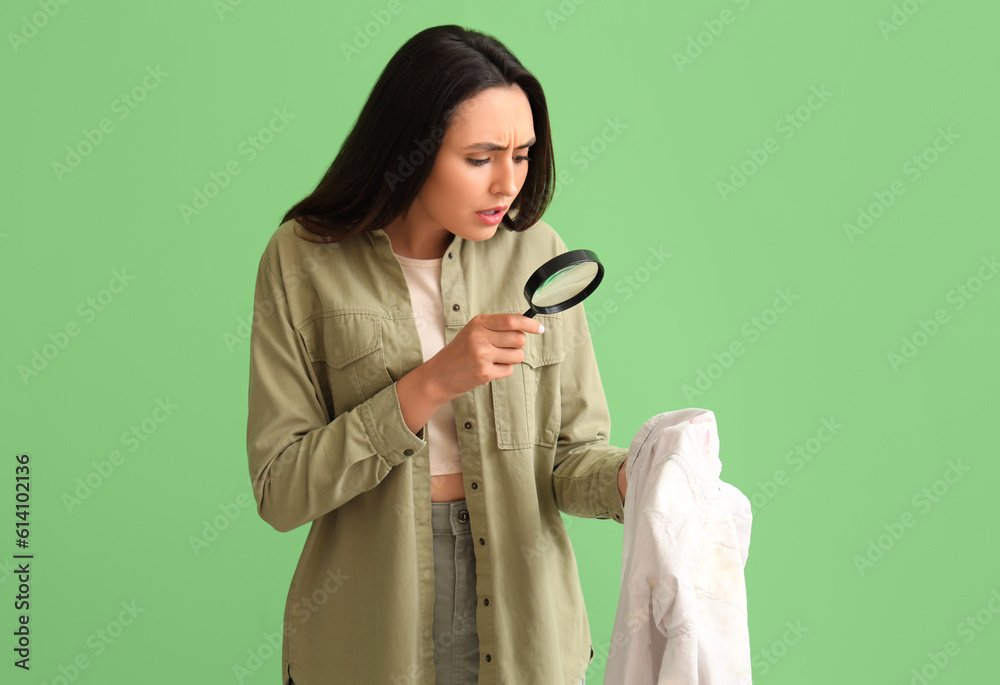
point(423, 276)
point(682, 611)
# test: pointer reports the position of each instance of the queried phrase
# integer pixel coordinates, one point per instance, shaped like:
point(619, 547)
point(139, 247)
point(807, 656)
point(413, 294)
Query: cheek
point(523, 175)
point(437, 188)
point(457, 183)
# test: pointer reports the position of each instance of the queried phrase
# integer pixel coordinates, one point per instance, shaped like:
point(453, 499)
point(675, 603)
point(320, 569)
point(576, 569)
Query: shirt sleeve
point(585, 473)
point(302, 465)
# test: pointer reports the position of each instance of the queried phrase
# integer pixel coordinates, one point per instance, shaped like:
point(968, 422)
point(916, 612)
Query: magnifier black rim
point(553, 266)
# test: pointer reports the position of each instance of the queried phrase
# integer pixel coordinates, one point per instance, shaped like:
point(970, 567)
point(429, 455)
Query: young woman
point(402, 405)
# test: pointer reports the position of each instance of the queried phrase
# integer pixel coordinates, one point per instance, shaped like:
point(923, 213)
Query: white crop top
point(424, 279)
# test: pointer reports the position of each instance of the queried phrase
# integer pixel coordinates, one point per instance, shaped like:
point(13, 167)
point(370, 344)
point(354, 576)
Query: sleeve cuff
point(610, 498)
point(387, 430)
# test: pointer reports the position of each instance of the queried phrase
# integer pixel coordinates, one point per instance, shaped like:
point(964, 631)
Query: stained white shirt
point(682, 611)
point(424, 279)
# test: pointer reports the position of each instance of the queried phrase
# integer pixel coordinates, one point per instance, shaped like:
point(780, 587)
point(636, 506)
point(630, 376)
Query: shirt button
point(486, 601)
point(475, 485)
point(408, 452)
point(451, 255)
point(489, 658)
point(468, 424)
point(463, 516)
point(455, 307)
point(481, 541)
point(428, 575)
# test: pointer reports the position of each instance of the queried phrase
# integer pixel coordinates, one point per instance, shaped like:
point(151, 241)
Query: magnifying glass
point(563, 281)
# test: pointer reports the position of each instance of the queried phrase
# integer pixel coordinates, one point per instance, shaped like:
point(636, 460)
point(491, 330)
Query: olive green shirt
point(333, 330)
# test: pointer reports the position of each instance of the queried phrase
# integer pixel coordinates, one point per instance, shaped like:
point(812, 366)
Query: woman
point(401, 403)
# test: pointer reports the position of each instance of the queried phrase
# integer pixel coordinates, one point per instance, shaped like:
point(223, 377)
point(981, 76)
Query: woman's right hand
point(486, 348)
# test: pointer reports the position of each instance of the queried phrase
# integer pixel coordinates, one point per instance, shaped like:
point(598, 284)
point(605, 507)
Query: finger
point(508, 356)
point(508, 339)
point(513, 322)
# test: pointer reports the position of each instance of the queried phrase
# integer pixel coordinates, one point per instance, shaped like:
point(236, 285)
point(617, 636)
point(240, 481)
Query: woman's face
point(469, 175)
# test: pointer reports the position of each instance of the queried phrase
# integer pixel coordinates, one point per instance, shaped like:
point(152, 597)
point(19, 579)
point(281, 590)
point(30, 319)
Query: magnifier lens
point(564, 284)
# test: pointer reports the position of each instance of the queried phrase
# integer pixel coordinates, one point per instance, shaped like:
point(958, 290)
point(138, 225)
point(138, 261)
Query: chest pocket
point(348, 355)
point(526, 404)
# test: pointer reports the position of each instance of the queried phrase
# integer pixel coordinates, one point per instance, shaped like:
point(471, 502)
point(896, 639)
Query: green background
point(692, 97)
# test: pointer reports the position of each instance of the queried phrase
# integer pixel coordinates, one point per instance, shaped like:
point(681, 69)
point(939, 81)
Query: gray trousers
point(456, 642)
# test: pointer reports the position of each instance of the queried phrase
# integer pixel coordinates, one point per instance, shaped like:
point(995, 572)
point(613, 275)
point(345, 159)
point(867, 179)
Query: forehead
point(498, 115)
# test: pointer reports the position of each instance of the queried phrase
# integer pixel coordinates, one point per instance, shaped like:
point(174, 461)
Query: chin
point(485, 233)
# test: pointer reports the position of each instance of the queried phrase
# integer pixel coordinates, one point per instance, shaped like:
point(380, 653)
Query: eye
point(481, 162)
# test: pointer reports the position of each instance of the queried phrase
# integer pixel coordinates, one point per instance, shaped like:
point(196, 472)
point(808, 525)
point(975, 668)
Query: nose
point(504, 179)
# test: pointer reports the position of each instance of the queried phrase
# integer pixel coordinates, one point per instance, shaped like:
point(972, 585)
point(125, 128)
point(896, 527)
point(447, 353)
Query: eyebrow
point(490, 147)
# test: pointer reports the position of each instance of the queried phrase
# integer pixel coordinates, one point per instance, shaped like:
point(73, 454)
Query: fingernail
point(541, 328)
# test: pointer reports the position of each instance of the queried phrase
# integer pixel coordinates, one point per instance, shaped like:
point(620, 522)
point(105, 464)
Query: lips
point(493, 219)
point(492, 210)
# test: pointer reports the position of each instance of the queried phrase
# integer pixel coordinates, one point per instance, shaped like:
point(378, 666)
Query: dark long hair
point(389, 152)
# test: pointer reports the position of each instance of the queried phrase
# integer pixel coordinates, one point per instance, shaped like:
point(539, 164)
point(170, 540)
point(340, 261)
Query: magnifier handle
point(530, 313)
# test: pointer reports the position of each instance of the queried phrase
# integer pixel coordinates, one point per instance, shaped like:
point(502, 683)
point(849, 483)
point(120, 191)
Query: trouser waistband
point(450, 518)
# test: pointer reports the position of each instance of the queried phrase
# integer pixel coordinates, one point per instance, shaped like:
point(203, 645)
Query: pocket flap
point(542, 349)
point(339, 339)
